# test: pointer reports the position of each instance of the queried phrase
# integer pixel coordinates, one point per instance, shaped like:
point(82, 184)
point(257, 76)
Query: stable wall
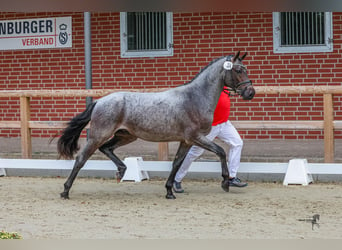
point(198, 39)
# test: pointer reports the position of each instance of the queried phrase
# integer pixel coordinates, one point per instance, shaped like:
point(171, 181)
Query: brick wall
point(198, 39)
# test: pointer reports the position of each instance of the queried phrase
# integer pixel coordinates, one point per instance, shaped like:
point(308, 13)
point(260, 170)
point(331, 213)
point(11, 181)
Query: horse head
point(236, 77)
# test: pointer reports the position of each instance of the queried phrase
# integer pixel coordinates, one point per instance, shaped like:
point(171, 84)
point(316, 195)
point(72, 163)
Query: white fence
point(137, 169)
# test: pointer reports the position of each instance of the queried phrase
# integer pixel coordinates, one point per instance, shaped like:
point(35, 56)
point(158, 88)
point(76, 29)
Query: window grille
point(146, 34)
point(302, 32)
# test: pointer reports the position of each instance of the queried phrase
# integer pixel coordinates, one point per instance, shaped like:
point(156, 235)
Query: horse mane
point(203, 69)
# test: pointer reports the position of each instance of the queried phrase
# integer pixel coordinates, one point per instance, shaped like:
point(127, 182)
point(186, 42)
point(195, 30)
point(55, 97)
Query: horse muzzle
point(248, 92)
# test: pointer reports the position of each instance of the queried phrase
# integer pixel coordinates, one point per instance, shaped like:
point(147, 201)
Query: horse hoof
point(65, 196)
point(225, 185)
point(170, 196)
point(118, 176)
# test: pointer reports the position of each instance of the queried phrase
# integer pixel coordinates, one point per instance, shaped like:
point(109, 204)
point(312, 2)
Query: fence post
point(26, 144)
point(329, 143)
point(163, 151)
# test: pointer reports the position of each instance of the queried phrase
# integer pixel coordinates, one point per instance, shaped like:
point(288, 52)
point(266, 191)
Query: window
point(146, 34)
point(302, 32)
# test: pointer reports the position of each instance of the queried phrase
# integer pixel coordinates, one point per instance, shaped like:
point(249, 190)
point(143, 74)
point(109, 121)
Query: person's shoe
point(177, 187)
point(236, 182)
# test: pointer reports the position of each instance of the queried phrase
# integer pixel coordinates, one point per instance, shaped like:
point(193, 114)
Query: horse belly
point(155, 127)
point(158, 133)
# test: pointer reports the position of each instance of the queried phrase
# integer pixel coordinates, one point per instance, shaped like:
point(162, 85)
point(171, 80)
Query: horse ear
point(236, 57)
point(243, 56)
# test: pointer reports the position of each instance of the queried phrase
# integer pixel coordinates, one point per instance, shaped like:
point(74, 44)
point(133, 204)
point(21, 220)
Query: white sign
point(38, 33)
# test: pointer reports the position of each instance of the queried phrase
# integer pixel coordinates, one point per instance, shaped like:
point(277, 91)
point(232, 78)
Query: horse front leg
point(183, 149)
point(219, 151)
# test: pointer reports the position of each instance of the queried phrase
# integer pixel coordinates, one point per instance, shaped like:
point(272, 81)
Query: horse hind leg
point(81, 159)
point(121, 138)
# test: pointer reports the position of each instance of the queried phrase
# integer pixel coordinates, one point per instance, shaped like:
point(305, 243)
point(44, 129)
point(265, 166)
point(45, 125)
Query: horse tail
point(67, 144)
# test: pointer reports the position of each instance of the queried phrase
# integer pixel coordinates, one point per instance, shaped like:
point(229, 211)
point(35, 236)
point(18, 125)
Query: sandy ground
point(104, 209)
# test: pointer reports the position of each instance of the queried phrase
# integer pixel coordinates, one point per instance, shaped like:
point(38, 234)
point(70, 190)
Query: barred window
point(146, 34)
point(302, 32)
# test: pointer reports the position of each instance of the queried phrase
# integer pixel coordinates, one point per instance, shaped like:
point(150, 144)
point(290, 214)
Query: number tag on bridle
point(228, 65)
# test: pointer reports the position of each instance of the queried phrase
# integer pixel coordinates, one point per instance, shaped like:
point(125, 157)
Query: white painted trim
point(165, 166)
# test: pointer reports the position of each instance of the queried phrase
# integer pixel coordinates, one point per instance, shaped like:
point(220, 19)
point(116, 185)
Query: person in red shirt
point(223, 129)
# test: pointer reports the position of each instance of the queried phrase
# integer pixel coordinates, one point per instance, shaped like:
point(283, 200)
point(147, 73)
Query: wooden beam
point(71, 92)
point(329, 146)
point(163, 151)
point(337, 124)
point(300, 89)
point(47, 124)
point(328, 124)
point(10, 124)
point(295, 125)
point(26, 144)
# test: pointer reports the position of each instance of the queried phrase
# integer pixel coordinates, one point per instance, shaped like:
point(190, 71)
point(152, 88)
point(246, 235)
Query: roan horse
point(183, 114)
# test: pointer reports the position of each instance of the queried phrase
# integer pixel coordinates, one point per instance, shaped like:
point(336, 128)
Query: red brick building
point(197, 39)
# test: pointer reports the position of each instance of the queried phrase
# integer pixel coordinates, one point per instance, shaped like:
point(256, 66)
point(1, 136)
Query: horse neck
point(209, 83)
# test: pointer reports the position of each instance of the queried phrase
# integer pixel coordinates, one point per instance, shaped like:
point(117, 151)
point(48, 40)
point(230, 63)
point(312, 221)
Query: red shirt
point(221, 113)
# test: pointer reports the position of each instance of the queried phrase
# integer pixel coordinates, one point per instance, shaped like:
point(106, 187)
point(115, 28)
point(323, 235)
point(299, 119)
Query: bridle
point(236, 88)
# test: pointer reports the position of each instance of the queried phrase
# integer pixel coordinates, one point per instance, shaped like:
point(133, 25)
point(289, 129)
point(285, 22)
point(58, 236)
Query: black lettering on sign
point(26, 27)
point(2, 28)
point(34, 26)
point(17, 27)
point(9, 28)
point(49, 26)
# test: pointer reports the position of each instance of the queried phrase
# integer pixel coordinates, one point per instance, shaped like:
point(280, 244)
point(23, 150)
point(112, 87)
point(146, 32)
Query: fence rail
point(328, 124)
